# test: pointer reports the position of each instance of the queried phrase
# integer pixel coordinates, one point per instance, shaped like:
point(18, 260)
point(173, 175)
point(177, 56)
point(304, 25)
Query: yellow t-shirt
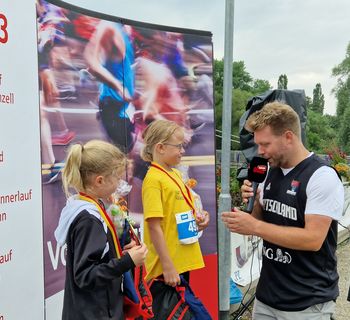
point(162, 198)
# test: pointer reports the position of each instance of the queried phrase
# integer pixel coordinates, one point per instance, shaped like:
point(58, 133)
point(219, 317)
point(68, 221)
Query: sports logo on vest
point(294, 186)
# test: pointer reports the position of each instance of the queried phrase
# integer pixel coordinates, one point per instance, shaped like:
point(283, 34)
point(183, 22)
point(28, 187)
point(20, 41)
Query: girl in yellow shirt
point(171, 226)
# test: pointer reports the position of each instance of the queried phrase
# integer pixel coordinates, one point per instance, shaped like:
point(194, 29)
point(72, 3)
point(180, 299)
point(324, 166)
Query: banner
point(103, 77)
point(21, 259)
point(246, 258)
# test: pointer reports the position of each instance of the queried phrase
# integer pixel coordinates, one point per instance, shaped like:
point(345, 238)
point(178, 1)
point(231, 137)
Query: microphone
point(257, 172)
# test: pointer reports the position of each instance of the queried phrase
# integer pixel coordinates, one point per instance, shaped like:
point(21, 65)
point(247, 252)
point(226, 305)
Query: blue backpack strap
point(197, 308)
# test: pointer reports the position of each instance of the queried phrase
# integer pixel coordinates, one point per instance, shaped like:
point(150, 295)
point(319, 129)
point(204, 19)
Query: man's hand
point(247, 191)
point(240, 222)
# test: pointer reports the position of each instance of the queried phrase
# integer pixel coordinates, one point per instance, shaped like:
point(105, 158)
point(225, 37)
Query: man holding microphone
point(295, 213)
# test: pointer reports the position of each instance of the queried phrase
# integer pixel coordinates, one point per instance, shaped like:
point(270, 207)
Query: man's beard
point(276, 162)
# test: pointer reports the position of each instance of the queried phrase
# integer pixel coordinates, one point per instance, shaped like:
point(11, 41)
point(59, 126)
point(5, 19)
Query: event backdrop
point(89, 65)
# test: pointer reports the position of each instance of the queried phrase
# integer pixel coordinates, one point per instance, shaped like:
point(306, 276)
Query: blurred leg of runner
point(66, 88)
point(50, 170)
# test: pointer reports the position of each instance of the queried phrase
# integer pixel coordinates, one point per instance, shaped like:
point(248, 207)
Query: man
point(296, 214)
point(110, 58)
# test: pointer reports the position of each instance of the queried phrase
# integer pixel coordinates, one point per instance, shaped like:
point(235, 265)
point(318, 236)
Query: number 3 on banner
point(3, 29)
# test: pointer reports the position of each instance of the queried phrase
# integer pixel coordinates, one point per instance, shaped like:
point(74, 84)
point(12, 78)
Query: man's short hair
point(278, 116)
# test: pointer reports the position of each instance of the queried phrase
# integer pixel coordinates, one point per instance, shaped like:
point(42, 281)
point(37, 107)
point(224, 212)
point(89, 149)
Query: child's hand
point(203, 220)
point(171, 276)
point(128, 246)
point(138, 254)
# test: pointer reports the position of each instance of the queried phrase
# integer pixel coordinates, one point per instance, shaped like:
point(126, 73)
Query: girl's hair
point(85, 160)
point(159, 131)
point(279, 116)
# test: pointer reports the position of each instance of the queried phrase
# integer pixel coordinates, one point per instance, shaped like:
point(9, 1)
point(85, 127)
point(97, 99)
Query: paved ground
point(343, 306)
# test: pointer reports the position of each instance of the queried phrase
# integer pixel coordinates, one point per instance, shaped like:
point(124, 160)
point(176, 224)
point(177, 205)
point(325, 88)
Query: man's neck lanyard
point(106, 219)
point(187, 198)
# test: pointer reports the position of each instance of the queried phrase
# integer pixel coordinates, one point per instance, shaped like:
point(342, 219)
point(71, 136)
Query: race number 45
point(192, 226)
point(3, 29)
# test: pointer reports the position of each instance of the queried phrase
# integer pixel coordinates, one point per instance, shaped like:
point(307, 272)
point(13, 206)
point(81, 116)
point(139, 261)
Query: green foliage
point(234, 185)
point(318, 99)
point(319, 131)
point(344, 131)
point(260, 86)
point(241, 78)
point(218, 75)
point(244, 87)
point(308, 102)
point(282, 82)
point(239, 102)
point(343, 98)
point(342, 93)
point(342, 70)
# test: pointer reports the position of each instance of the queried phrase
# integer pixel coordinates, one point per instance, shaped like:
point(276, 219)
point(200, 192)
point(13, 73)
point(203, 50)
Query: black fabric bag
point(169, 302)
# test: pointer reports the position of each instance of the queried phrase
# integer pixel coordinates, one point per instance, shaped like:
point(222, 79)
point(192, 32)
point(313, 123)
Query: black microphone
point(257, 172)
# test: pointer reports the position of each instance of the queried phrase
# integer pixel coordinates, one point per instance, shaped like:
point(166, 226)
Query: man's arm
point(325, 195)
point(309, 238)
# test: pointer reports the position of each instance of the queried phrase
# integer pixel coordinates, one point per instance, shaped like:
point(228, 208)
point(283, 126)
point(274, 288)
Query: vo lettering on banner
point(3, 30)
point(59, 254)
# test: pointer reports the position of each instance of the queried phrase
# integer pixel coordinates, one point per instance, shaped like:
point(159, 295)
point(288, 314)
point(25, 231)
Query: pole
point(224, 240)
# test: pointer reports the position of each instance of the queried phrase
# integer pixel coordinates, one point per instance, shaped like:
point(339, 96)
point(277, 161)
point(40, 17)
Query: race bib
point(186, 227)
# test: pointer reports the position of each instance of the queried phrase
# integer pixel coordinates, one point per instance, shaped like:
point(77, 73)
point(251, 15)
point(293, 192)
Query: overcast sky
point(304, 39)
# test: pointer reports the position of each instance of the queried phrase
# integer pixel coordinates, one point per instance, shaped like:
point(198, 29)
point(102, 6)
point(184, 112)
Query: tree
point(308, 102)
point(260, 86)
point(342, 93)
point(342, 70)
point(282, 82)
point(317, 104)
point(344, 132)
point(244, 88)
point(218, 75)
point(241, 77)
point(320, 131)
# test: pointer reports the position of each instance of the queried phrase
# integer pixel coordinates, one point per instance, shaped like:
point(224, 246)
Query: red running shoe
point(63, 139)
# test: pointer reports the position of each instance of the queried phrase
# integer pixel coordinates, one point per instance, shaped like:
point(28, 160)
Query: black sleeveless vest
point(293, 280)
